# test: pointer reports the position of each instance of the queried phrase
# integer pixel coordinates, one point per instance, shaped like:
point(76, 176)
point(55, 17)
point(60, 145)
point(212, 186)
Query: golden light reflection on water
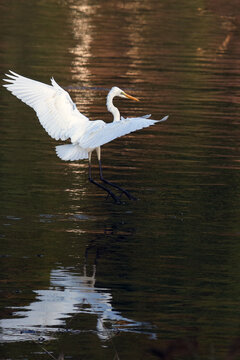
point(82, 32)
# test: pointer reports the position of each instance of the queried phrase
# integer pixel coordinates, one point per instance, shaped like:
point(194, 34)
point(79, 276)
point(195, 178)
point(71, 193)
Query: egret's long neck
point(113, 109)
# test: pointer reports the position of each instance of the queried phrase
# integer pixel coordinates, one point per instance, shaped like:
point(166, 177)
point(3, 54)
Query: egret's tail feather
point(71, 152)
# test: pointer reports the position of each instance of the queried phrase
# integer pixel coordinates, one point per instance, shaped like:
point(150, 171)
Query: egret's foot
point(114, 197)
point(130, 196)
point(123, 191)
point(109, 192)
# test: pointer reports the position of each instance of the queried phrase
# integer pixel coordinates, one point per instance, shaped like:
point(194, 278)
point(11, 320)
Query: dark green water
point(86, 277)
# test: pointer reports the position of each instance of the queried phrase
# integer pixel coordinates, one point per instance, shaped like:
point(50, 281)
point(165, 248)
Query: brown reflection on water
point(225, 57)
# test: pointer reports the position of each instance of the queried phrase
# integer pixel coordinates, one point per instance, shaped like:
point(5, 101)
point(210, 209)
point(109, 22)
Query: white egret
point(61, 119)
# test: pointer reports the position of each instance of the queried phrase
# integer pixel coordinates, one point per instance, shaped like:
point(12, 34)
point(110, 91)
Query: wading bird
point(61, 119)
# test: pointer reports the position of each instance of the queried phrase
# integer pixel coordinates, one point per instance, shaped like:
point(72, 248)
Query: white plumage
point(61, 119)
point(71, 152)
point(55, 110)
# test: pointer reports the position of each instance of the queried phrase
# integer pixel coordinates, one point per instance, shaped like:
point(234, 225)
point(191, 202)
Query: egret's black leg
point(131, 197)
point(115, 198)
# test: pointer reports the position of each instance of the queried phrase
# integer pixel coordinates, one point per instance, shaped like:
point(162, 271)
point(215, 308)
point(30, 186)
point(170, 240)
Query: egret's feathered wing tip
point(12, 72)
point(164, 118)
point(55, 84)
point(10, 78)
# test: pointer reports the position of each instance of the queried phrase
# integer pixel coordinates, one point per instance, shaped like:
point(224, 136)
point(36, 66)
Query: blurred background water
point(148, 279)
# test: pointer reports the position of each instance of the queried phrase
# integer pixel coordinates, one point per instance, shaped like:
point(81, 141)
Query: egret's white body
point(61, 119)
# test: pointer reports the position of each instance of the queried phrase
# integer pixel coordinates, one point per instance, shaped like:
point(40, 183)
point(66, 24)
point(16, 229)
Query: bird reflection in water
point(68, 293)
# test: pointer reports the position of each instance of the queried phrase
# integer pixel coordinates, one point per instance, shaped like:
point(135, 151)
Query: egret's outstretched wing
point(111, 131)
point(54, 107)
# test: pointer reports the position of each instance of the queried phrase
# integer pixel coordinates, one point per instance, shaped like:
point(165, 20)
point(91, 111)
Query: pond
point(81, 276)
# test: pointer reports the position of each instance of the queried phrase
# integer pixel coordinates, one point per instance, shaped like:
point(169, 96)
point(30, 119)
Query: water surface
point(86, 277)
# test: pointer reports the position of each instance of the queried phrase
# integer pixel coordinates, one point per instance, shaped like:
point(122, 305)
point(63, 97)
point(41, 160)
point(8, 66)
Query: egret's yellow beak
point(131, 97)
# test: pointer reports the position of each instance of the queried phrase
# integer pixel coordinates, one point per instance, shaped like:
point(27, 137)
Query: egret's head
point(116, 91)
